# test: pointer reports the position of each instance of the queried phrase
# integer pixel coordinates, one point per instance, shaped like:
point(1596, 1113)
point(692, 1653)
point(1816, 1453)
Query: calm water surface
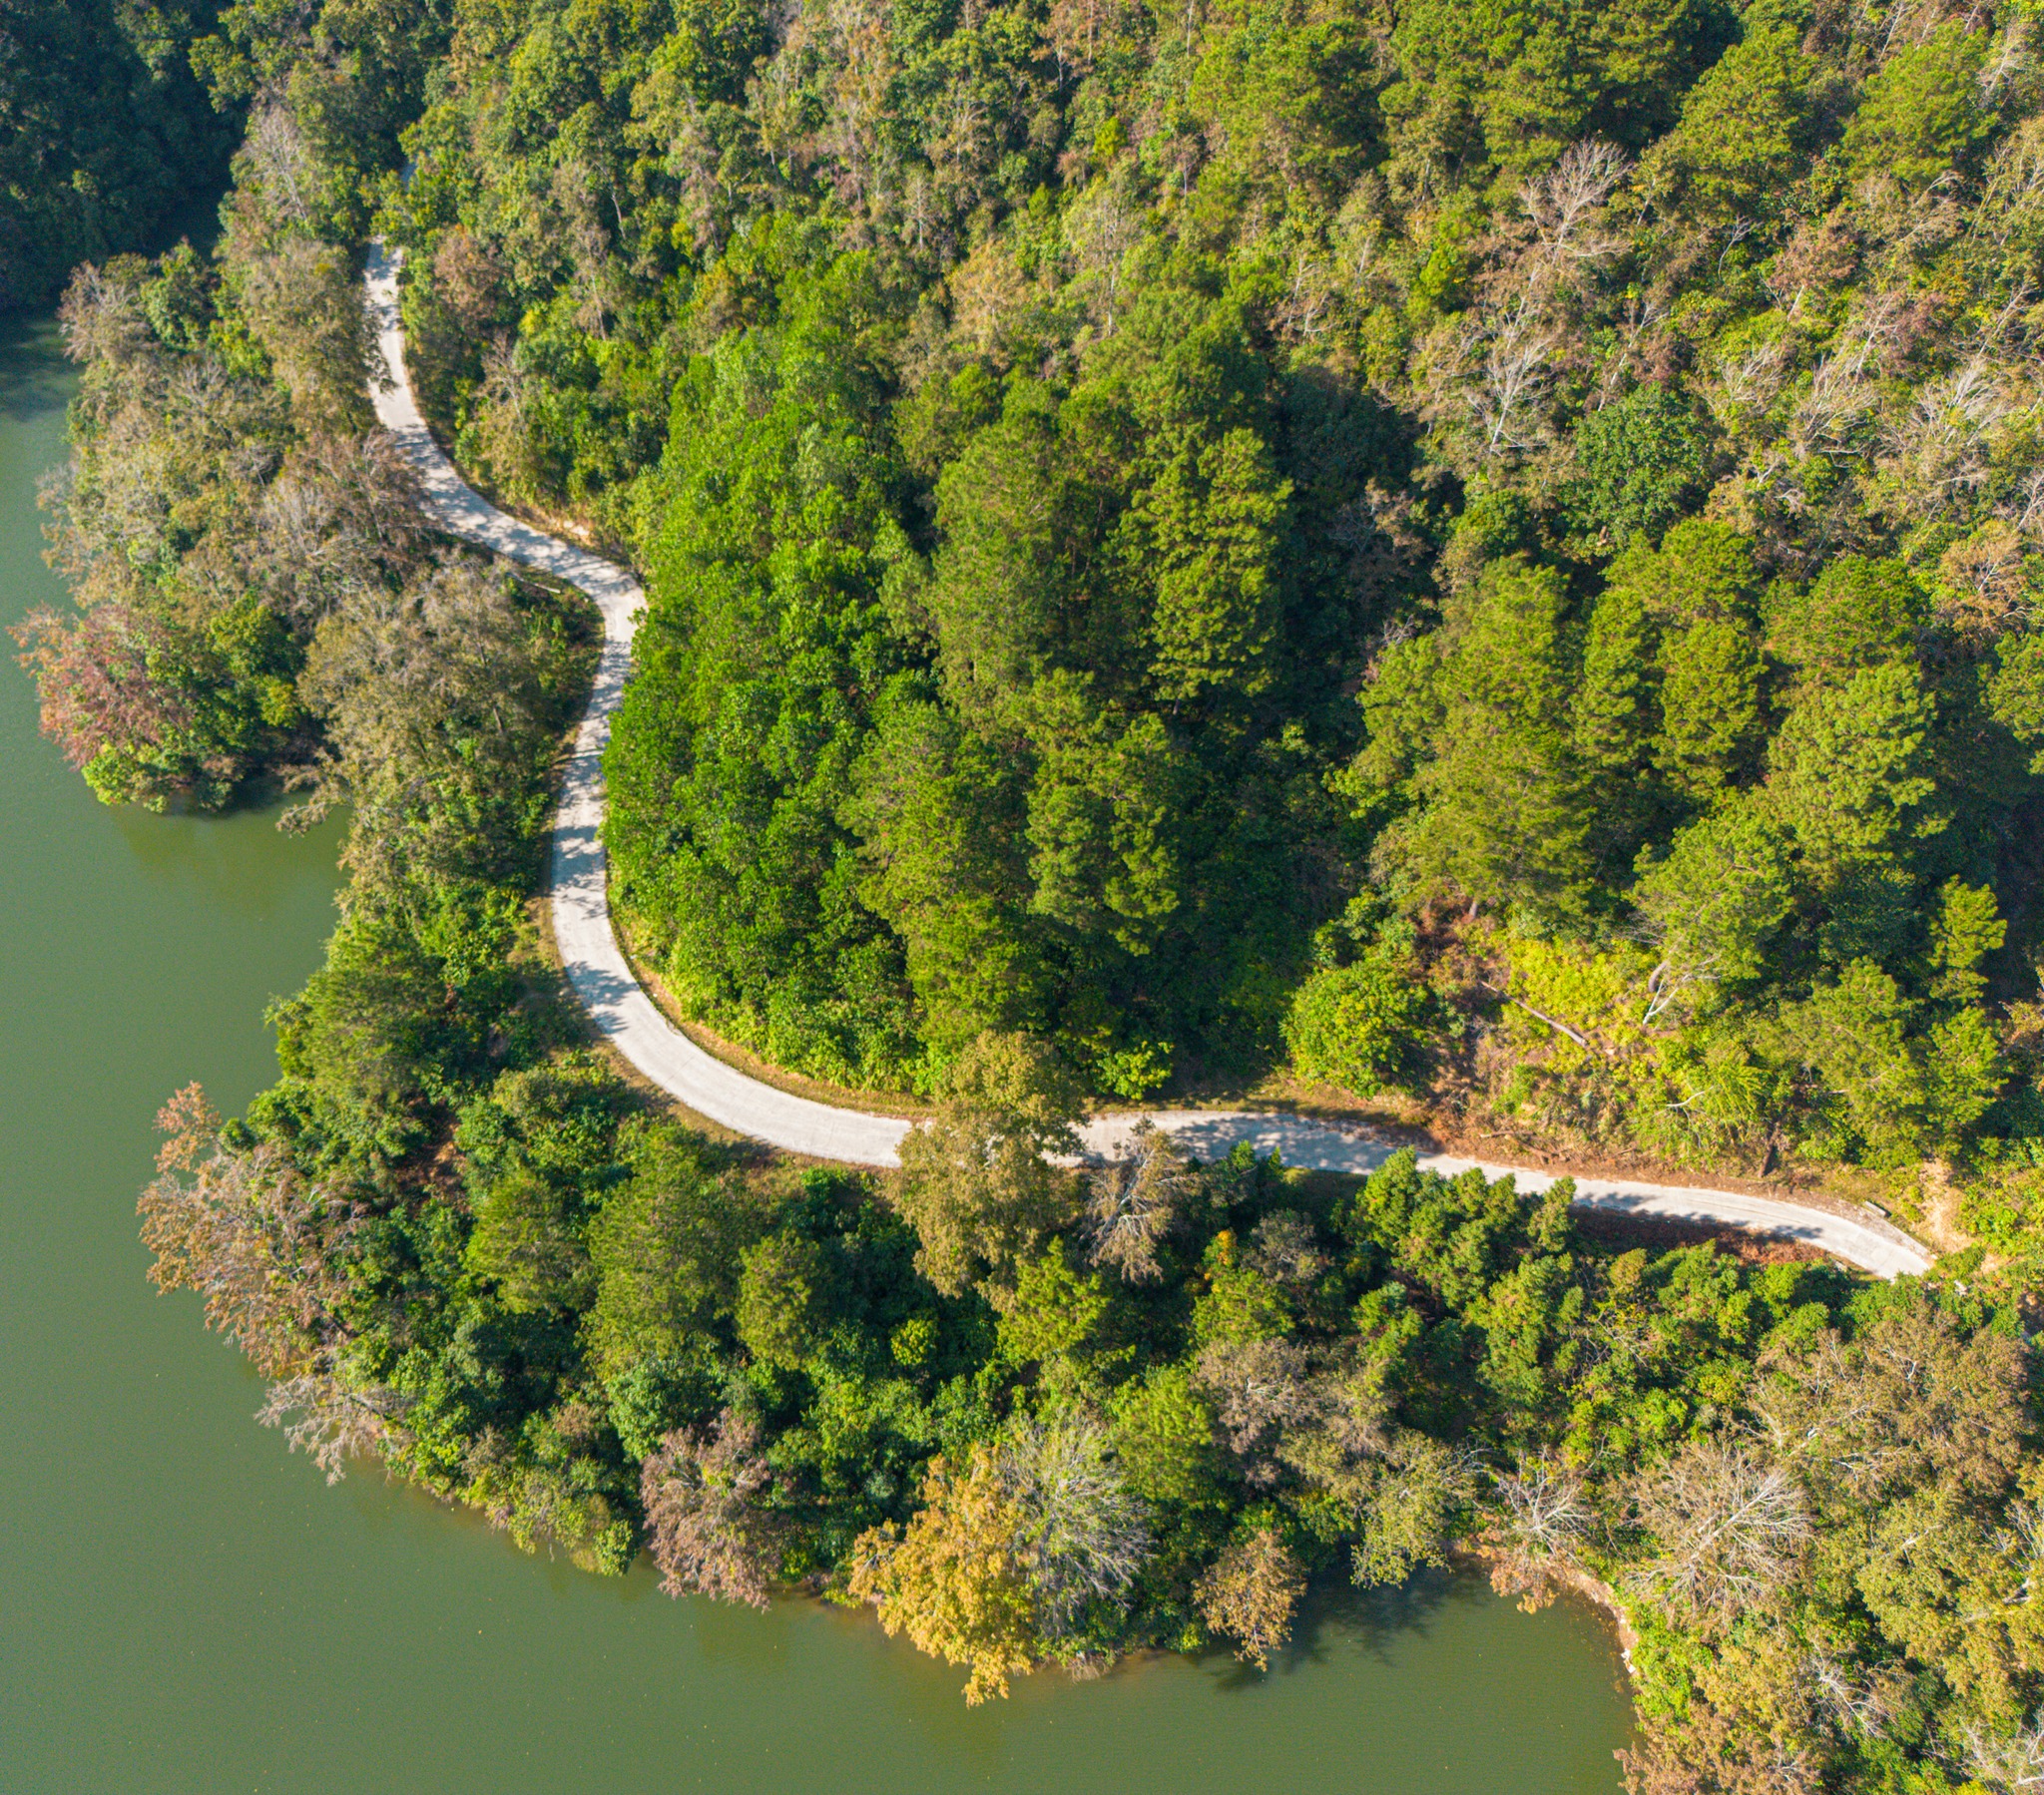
point(184, 1606)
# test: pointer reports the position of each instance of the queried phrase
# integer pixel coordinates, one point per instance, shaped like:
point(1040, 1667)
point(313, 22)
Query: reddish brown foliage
point(191, 1123)
point(93, 675)
point(259, 1245)
point(703, 1526)
point(1250, 1593)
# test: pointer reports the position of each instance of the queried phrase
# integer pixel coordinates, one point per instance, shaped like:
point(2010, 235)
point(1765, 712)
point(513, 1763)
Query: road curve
point(628, 1018)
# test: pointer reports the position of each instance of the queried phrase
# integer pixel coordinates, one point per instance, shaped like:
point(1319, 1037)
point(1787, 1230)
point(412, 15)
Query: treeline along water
point(186, 1607)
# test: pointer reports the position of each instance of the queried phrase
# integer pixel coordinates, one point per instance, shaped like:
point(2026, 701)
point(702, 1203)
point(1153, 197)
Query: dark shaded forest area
point(107, 128)
point(1472, 555)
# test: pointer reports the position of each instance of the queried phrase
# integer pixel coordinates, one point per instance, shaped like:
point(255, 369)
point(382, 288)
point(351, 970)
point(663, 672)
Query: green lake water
point(186, 1607)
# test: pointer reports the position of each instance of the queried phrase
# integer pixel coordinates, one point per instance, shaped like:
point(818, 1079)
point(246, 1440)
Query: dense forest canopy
point(104, 129)
point(1482, 552)
point(1328, 531)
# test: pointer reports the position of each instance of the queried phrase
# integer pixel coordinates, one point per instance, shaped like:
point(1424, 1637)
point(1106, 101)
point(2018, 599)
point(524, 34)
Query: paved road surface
point(628, 1018)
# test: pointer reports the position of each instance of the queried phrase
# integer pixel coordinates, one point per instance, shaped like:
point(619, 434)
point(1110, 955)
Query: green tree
point(1213, 538)
point(1102, 812)
point(1921, 112)
point(1501, 809)
point(763, 645)
point(1853, 1035)
point(1163, 1435)
point(666, 1250)
point(1850, 775)
point(108, 131)
point(2016, 694)
point(1645, 459)
point(1515, 82)
point(1612, 708)
point(784, 1299)
point(1007, 594)
point(1720, 893)
point(528, 1240)
point(1967, 928)
point(1857, 613)
point(940, 814)
point(1711, 726)
point(1744, 126)
point(975, 1182)
point(1059, 1321)
point(1702, 572)
point(1963, 1075)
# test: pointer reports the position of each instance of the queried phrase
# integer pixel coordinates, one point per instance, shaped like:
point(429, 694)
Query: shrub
point(1356, 1025)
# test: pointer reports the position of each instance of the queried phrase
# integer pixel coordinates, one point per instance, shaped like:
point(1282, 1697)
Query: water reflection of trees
point(1336, 1615)
point(240, 864)
point(34, 379)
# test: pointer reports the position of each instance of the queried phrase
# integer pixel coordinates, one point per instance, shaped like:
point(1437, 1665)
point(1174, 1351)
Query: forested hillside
point(1489, 559)
point(105, 127)
point(1490, 550)
point(1476, 551)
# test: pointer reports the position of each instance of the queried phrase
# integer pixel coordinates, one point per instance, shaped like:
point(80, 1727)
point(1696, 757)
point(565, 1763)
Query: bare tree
point(93, 674)
point(1909, 1399)
point(1336, 1447)
point(276, 163)
point(1563, 203)
point(2008, 1763)
point(324, 1416)
point(341, 518)
point(469, 279)
point(1104, 226)
point(1829, 417)
point(1075, 28)
point(1512, 353)
point(1634, 330)
point(442, 686)
point(578, 207)
point(1539, 1533)
point(1132, 1204)
point(1491, 371)
point(301, 302)
point(258, 1244)
point(1746, 385)
point(1938, 450)
point(1080, 1531)
point(852, 138)
point(263, 1248)
point(1861, 1702)
point(1984, 588)
point(1260, 1389)
point(703, 1522)
point(2013, 193)
point(1731, 1528)
point(100, 320)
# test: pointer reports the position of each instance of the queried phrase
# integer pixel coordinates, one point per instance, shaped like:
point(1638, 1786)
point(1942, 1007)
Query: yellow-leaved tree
point(953, 1581)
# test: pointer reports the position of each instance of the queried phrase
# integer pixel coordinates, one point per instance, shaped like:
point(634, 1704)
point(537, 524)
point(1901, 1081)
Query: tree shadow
point(237, 859)
point(1336, 1616)
point(35, 378)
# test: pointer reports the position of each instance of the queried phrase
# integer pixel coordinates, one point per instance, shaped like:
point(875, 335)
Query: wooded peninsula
point(1464, 564)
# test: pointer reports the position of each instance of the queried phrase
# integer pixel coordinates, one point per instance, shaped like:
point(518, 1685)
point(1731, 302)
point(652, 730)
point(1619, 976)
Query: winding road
point(629, 1019)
